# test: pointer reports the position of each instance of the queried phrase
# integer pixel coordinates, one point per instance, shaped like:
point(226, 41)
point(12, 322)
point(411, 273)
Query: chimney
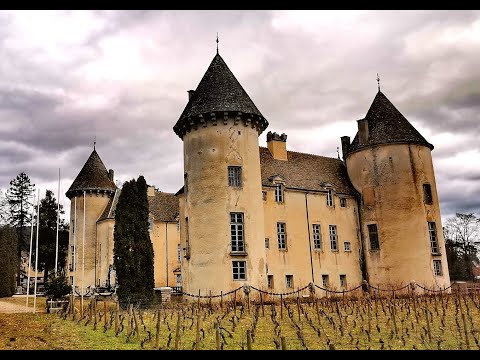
point(277, 144)
point(362, 131)
point(151, 191)
point(110, 174)
point(190, 94)
point(345, 144)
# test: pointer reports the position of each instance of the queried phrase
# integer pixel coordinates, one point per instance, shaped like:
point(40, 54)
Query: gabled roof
point(386, 125)
point(306, 171)
point(93, 176)
point(163, 206)
point(218, 91)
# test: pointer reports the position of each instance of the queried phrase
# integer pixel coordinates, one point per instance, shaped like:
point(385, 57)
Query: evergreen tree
point(47, 236)
point(19, 208)
point(133, 249)
point(8, 260)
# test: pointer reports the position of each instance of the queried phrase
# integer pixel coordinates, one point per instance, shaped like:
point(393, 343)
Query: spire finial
point(94, 142)
point(217, 42)
point(378, 82)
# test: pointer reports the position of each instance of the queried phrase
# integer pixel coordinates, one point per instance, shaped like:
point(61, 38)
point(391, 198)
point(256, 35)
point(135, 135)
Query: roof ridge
point(305, 153)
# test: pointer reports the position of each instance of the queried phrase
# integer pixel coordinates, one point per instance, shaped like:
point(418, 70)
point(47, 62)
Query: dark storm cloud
point(121, 77)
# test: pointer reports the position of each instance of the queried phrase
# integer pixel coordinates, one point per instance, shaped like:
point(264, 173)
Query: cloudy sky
point(67, 77)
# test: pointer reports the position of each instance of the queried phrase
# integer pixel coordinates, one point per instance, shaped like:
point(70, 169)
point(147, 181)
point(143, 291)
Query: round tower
point(89, 195)
point(390, 164)
point(222, 219)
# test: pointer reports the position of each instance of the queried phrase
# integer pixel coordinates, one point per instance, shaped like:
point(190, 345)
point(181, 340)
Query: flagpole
point(36, 255)
point(83, 247)
point(74, 248)
point(58, 220)
point(30, 252)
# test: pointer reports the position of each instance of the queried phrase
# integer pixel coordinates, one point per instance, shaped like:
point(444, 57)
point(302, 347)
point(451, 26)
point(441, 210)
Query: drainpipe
point(166, 249)
point(309, 240)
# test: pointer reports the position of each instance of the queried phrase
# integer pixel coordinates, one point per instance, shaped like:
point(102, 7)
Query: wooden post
point(217, 334)
point(198, 299)
point(137, 329)
point(129, 319)
point(197, 335)
point(235, 302)
point(81, 308)
point(210, 298)
point(157, 333)
point(428, 324)
point(281, 306)
point(117, 306)
point(315, 299)
point(221, 300)
point(298, 308)
point(369, 321)
point(283, 342)
point(105, 312)
point(261, 302)
point(177, 331)
point(249, 339)
point(248, 300)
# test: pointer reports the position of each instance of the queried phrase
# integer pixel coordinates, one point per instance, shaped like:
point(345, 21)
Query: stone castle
point(269, 217)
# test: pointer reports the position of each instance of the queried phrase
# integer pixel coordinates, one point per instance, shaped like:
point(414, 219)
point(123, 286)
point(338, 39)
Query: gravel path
point(7, 306)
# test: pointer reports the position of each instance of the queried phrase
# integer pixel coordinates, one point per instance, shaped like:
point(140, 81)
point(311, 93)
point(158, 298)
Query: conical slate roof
point(386, 125)
point(93, 176)
point(218, 91)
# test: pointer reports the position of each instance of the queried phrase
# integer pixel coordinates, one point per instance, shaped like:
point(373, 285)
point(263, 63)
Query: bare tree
point(462, 237)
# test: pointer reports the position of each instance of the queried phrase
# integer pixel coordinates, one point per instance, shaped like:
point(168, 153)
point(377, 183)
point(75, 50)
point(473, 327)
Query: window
point(73, 227)
point(267, 243)
point(179, 253)
point(325, 280)
point(282, 236)
point(270, 281)
point(178, 279)
point(427, 194)
point(346, 246)
point(289, 281)
point(72, 264)
point(185, 182)
point(187, 240)
point(150, 224)
point(279, 192)
point(178, 225)
point(71, 280)
point(235, 176)
point(343, 281)
point(373, 236)
point(239, 270)
point(236, 232)
point(432, 230)
point(437, 267)
point(343, 202)
point(264, 195)
point(330, 197)
point(333, 237)
point(317, 237)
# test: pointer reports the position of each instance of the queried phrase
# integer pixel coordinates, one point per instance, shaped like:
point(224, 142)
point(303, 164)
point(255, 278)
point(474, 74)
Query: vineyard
point(301, 320)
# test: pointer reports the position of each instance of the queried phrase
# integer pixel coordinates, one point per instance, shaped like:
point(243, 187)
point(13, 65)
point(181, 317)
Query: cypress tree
point(8, 260)
point(133, 249)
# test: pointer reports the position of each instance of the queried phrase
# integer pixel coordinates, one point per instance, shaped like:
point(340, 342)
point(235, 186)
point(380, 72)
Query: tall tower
point(222, 219)
point(390, 164)
point(97, 184)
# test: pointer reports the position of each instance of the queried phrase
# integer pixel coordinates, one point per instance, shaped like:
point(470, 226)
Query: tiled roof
point(387, 125)
point(306, 171)
point(93, 176)
point(163, 206)
point(218, 91)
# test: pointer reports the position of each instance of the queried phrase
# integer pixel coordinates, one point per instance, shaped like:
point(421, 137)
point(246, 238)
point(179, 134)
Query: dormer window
point(329, 197)
point(279, 195)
